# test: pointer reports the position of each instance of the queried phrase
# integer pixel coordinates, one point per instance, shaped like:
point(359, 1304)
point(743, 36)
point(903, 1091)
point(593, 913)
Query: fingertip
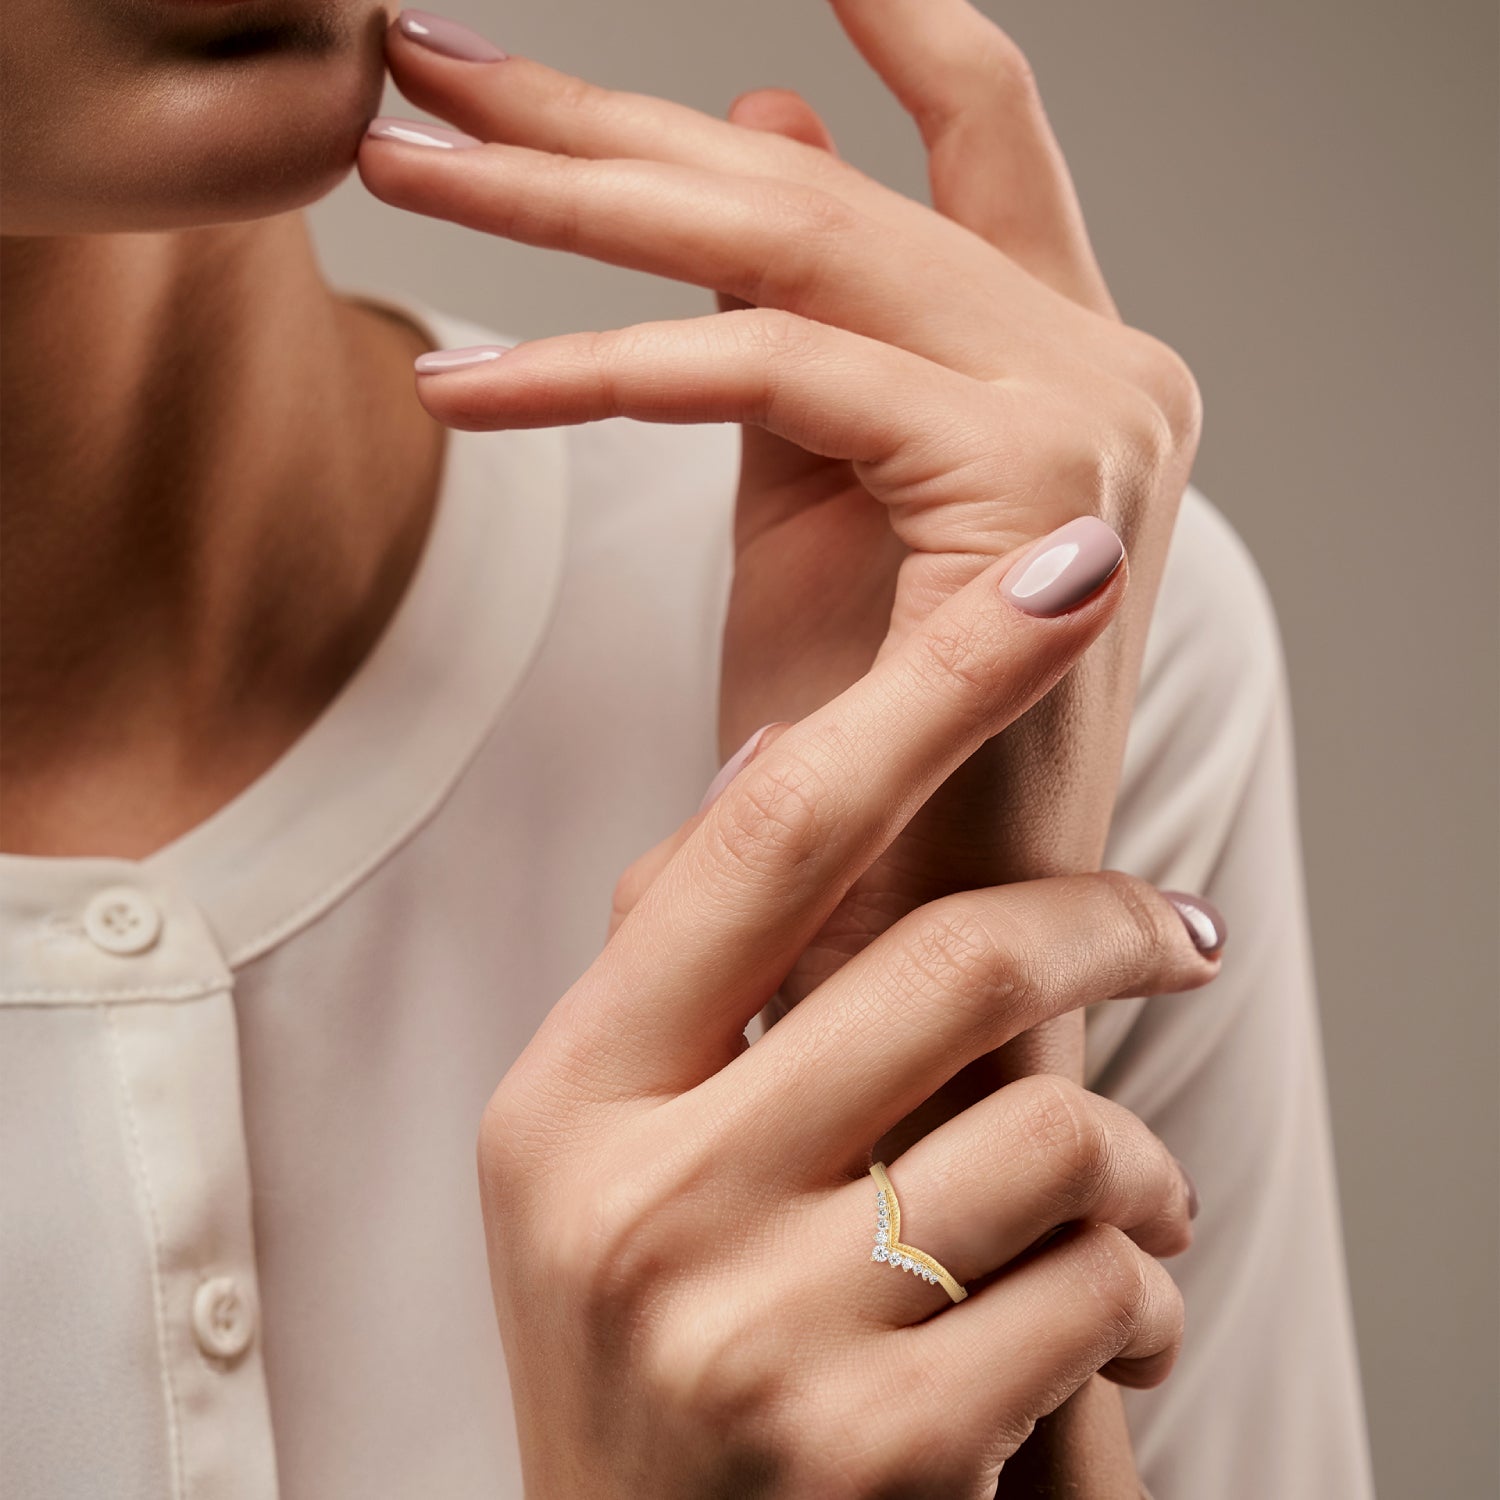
point(1140, 1374)
point(1065, 569)
point(440, 361)
point(1204, 922)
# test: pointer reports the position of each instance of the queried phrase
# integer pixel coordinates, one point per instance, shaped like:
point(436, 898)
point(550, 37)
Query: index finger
point(667, 1002)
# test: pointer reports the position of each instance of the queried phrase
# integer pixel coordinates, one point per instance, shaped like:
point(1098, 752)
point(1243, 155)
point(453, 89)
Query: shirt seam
point(153, 1220)
point(186, 990)
point(381, 850)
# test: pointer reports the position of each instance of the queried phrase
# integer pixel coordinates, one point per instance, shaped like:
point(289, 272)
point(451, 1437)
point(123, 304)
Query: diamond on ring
point(888, 1247)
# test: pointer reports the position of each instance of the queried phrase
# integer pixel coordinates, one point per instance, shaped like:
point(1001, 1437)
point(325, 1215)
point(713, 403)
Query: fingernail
point(419, 133)
point(1064, 568)
point(1192, 1189)
point(1203, 920)
point(447, 37)
point(732, 765)
point(435, 361)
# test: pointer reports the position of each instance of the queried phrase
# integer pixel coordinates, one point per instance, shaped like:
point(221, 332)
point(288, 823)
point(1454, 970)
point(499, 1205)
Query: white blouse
point(241, 1079)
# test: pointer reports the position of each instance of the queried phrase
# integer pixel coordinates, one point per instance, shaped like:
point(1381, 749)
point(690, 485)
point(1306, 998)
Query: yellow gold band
point(888, 1246)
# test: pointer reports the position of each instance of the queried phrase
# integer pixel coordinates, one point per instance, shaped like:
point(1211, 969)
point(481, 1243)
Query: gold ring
point(888, 1246)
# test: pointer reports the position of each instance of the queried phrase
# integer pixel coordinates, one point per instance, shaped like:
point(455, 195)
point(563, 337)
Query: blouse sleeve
point(1265, 1398)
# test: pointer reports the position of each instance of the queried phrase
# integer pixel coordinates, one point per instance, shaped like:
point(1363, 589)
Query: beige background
point(1300, 195)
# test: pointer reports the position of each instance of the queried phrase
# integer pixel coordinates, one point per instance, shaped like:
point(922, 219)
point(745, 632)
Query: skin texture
point(173, 616)
point(669, 1205)
point(962, 366)
point(178, 624)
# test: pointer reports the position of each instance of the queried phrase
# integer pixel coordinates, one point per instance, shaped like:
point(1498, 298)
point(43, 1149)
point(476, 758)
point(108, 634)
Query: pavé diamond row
point(888, 1246)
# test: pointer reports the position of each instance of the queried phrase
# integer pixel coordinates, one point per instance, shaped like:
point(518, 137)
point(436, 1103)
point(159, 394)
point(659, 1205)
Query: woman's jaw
point(131, 115)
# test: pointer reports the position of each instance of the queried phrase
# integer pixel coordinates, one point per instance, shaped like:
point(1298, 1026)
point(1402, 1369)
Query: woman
point(332, 717)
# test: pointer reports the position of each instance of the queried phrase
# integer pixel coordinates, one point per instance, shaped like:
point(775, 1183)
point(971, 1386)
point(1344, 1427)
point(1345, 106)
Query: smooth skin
point(175, 614)
point(176, 379)
point(963, 366)
point(695, 1213)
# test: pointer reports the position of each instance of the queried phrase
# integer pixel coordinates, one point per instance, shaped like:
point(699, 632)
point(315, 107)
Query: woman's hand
point(961, 365)
point(893, 350)
point(681, 1227)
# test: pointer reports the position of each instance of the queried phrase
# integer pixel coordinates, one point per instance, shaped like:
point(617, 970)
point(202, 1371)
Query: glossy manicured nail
point(1203, 920)
point(1064, 568)
point(1192, 1190)
point(447, 37)
point(732, 765)
point(435, 361)
point(419, 133)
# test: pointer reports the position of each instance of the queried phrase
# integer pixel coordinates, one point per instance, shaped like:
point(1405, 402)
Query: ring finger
point(983, 1187)
point(954, 458)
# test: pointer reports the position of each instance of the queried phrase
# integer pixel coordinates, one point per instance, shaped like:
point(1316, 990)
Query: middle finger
point(948, 983)
point(770, 241)
point(518, 101)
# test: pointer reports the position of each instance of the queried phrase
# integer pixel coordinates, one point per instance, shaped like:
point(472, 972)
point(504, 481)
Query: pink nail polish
point(435, 361)
point(419, 133)
point(731, 766)
point(1203, 920)
point(1192, 1190)
point(1066, 567)
point(447, 37)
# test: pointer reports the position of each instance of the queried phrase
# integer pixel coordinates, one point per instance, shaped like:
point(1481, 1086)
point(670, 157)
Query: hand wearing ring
point(680, 1224)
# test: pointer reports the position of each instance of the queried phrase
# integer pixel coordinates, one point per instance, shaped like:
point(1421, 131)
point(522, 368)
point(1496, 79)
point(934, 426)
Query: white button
point(122, 920)
point(223, 1320)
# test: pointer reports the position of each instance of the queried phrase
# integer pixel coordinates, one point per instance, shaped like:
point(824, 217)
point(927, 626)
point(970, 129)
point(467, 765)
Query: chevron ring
point(888, 1246)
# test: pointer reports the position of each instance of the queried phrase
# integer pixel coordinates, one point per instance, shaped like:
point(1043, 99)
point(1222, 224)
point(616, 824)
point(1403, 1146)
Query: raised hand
point(924, 388)
point(682, 1229)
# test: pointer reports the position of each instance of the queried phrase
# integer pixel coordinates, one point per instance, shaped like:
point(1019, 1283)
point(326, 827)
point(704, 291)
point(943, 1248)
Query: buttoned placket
point(135, 952)
point(127, 1120)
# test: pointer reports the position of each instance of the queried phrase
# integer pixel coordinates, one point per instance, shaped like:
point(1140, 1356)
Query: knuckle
point(1121, 463)
point(1167, 379)
point(1178, 396)
point(600, 352)
point(776, 344)
point(795, 226)
point(1003, 60)
point(992, 64)
point(956, 659)
point(1061, 1124)
point(775, 817)
point(701, 1356)
point(948, 946)
point(1077, 451)
point(1147, 439)
point(1121, 1280)
point(553, 215)
point(771, 330)
point(1135, 909)
point(816, 211)
point(574, 96)
point(517, 1127)
point(601, 1254)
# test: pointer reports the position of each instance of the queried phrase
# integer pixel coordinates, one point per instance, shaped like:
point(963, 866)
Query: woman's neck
point(216, 483)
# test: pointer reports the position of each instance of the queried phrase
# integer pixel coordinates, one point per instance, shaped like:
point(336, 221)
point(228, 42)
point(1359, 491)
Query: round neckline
point(380, 757)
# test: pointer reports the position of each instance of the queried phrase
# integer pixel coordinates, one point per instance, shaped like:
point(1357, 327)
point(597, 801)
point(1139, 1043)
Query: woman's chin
point(196, 141)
